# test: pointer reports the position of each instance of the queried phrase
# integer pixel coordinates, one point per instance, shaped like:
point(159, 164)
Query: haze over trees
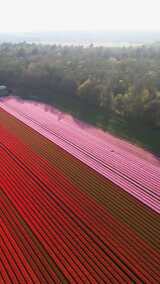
point(99, 38)
point(106, 86)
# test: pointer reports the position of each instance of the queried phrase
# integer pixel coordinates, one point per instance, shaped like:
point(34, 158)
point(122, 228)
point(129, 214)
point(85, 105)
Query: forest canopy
point(121, 84)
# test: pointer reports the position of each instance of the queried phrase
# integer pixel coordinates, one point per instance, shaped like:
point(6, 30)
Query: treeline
point(114, 82)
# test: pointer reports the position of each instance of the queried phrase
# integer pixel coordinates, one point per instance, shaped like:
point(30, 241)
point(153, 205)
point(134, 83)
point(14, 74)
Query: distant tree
point(89, 92)
point(116, 82)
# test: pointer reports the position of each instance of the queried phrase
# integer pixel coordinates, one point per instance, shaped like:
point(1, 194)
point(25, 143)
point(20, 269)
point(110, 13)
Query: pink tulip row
point(135, 175)
point(60, 232)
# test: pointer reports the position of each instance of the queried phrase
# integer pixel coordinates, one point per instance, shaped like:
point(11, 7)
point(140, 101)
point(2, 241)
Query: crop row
point(78, 239)
point(134, 175)
point(127, 209)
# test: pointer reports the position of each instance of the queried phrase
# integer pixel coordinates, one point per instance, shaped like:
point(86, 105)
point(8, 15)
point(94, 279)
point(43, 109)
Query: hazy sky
point(41, 15)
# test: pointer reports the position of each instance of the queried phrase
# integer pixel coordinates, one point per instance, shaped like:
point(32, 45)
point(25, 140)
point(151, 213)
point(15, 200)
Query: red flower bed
point(63, 222)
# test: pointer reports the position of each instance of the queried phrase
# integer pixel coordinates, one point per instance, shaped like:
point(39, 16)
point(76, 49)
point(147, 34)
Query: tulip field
point(74, 209)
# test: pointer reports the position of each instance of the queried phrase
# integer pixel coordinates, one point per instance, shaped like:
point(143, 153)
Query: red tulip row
point(72, 235)
point(134, 175)
point(128, 210)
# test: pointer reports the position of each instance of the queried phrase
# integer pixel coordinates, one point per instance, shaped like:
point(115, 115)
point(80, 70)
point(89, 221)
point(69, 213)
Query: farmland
point(74, 209)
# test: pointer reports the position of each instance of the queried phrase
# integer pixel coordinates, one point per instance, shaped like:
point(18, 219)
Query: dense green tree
point(113, 82)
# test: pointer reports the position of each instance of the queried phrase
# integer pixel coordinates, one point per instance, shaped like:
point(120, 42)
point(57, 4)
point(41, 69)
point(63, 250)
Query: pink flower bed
point(128, 166)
